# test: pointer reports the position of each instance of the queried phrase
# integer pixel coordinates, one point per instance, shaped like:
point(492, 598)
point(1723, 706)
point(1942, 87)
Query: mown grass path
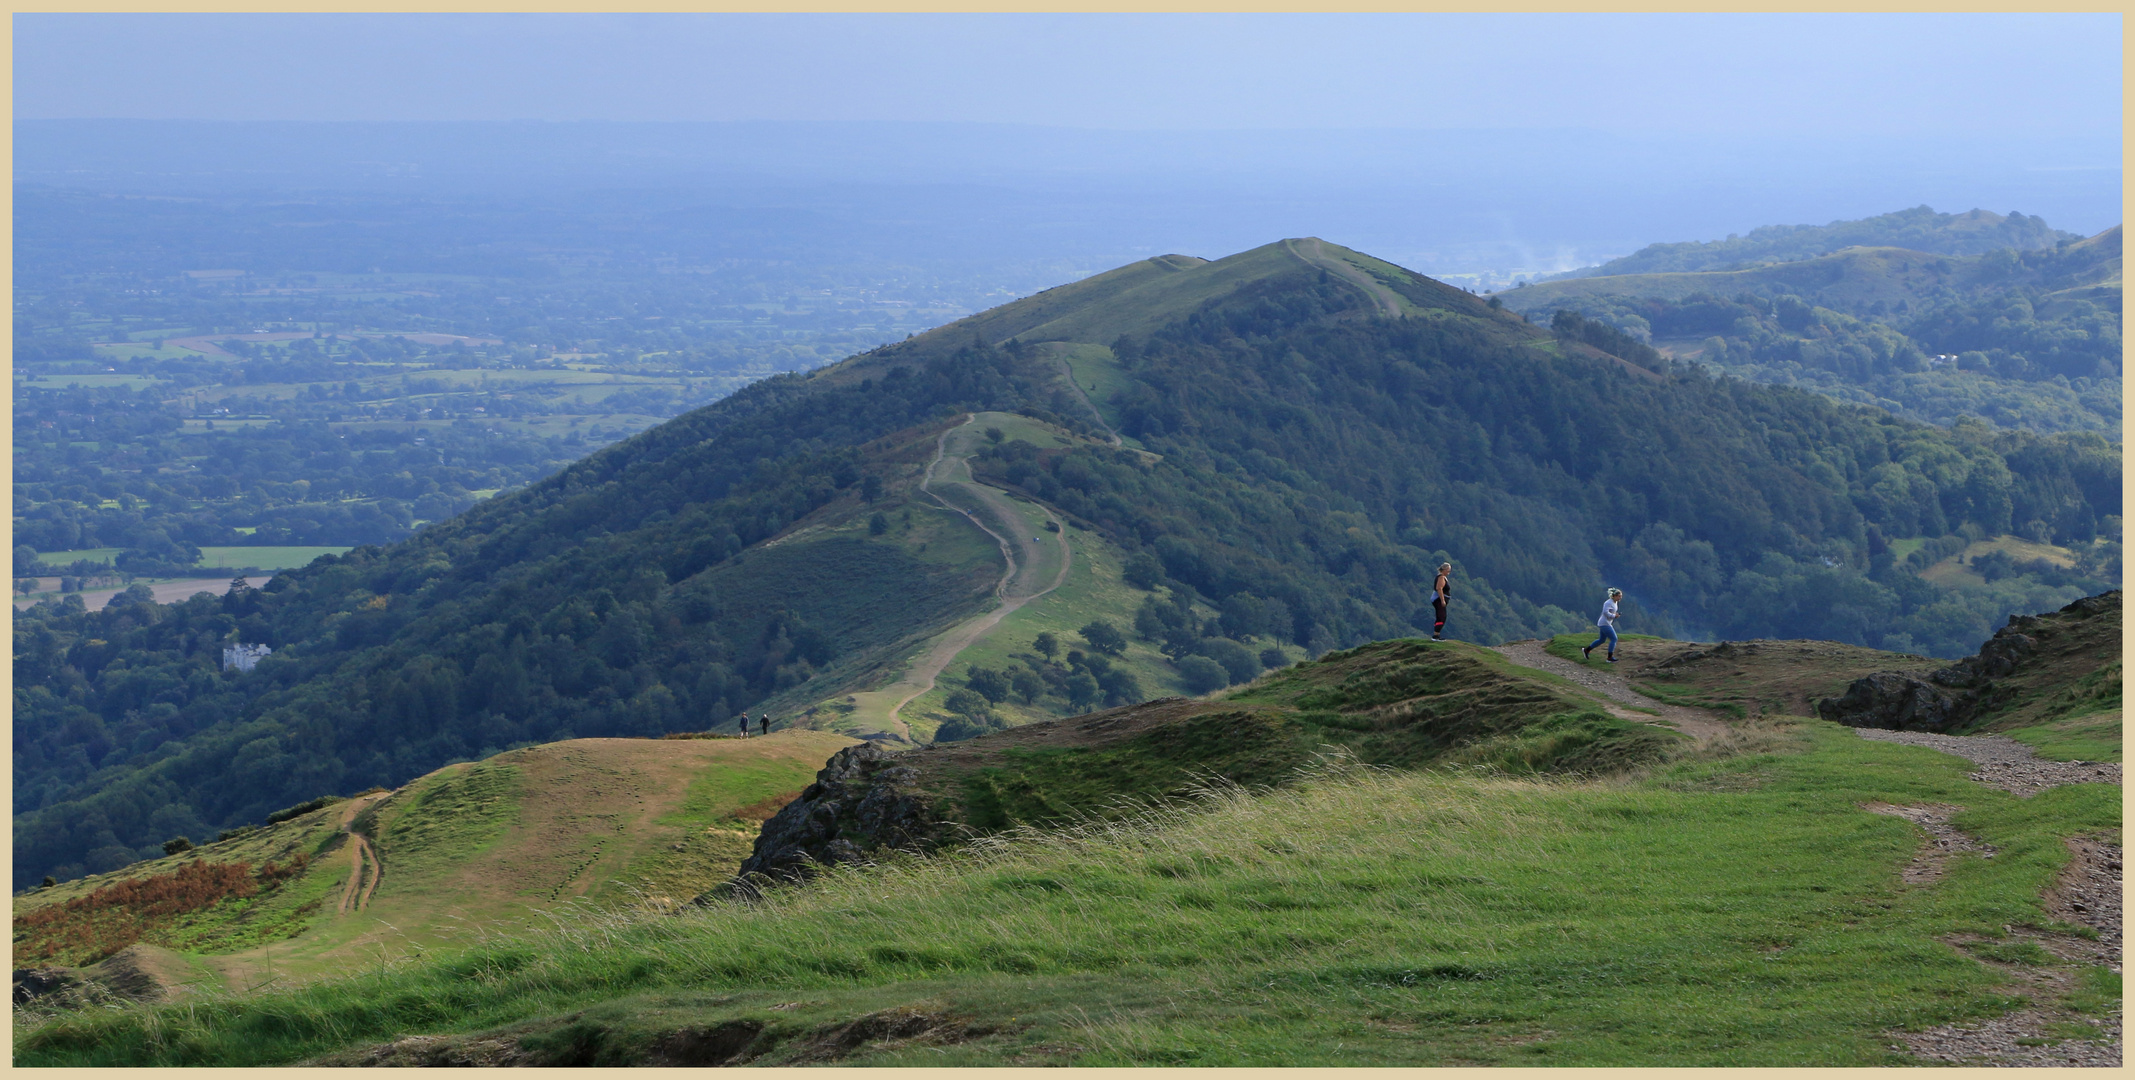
point(948, 481)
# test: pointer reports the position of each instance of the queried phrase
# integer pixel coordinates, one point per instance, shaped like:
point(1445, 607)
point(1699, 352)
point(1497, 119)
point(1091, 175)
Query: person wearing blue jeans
point(1607, 625)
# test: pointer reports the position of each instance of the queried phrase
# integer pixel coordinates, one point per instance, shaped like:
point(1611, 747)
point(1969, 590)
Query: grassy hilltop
point(1731, 900)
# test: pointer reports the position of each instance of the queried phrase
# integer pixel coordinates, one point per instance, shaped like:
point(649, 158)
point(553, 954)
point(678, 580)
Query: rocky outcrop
point(1949, 697)
point(863, 800)
point(55, 983)
point(1897, 703)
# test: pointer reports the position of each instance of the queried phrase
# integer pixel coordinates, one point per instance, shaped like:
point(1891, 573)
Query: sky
point(1801, 74)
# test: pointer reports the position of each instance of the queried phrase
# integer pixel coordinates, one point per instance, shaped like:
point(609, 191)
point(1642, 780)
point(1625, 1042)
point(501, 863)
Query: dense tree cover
point(1918, 229)
point(612, 599)
point(1318, 468)
point(112, 468)
point(2035, 334)
point(1309, 465)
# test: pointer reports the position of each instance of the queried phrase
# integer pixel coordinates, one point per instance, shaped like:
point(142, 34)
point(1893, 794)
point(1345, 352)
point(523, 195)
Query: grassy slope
point(1374, 919)
point(1954, 571)
point(486, 847)
point(1137, 298)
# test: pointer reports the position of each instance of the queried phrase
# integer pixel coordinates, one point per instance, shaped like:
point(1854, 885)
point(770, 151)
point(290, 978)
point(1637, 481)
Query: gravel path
point(2004, 762)
point(2086, 894)
point(1700, 724)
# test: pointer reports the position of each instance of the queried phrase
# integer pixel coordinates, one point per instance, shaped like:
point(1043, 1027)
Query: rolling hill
point(1203, 469)
point(2022, 338)
point(1974, 232)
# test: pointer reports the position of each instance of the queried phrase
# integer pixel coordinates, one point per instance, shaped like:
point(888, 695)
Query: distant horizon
point(1823, 73)
point(984, 194)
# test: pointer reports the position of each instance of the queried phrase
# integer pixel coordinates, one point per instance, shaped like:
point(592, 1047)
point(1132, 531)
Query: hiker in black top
point(1441, 591)
point(767, 723)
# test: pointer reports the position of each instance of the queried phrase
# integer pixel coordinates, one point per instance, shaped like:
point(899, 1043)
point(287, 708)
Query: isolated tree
point(1028, 685)
point(1082, 690)
point(991, 685)
point(1143, 571)
point(1105, 638)
point(1202, 675)
point(1046, 644)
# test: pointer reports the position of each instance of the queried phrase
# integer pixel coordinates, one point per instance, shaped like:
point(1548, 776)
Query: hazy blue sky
point(1792, 74)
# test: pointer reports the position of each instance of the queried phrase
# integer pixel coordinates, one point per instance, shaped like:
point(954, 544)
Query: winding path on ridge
point(359, 850)
point(1700, 724)
point(1311, 251)
point(951, 472)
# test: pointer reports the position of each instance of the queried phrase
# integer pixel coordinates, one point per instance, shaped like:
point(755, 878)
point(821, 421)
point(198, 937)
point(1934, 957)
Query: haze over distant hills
point(1974, 232)
point(1441, 200)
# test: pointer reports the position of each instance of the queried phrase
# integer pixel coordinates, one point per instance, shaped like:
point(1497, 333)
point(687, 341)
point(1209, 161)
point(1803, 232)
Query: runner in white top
point(1607, 625)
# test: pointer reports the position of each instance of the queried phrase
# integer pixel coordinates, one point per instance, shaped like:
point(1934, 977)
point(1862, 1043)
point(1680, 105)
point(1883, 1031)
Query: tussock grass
point(1734, 911)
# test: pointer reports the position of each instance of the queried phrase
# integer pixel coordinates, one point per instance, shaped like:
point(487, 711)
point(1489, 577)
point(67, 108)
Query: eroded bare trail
point(356, 892)
point(1624, 702)
point(948, 481)
point(2004, 762)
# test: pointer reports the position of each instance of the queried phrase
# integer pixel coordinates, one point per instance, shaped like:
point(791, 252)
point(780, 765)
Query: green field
point(1361, 918)
point(99, 380)
point(146, 350)
point(265, 558)
point(61, 558)
point(209, 427)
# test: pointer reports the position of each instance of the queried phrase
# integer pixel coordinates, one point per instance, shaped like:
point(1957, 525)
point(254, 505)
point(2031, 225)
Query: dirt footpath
point(1625, 703)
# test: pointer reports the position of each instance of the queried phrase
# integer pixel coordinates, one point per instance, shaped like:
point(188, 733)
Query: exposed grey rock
point(34, 983)
point(1949, 696)
point(863, 800)
point(1897, 703)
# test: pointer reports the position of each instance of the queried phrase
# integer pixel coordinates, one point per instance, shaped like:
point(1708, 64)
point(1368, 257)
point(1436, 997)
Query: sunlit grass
point(1741, 911)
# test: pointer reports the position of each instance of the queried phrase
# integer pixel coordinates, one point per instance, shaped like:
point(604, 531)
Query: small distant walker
point(1607, 625)
point(1441, 593)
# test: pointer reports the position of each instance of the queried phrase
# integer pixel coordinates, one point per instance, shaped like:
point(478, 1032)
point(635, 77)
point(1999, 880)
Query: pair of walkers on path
point(1442, 593)
point(743, 722)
